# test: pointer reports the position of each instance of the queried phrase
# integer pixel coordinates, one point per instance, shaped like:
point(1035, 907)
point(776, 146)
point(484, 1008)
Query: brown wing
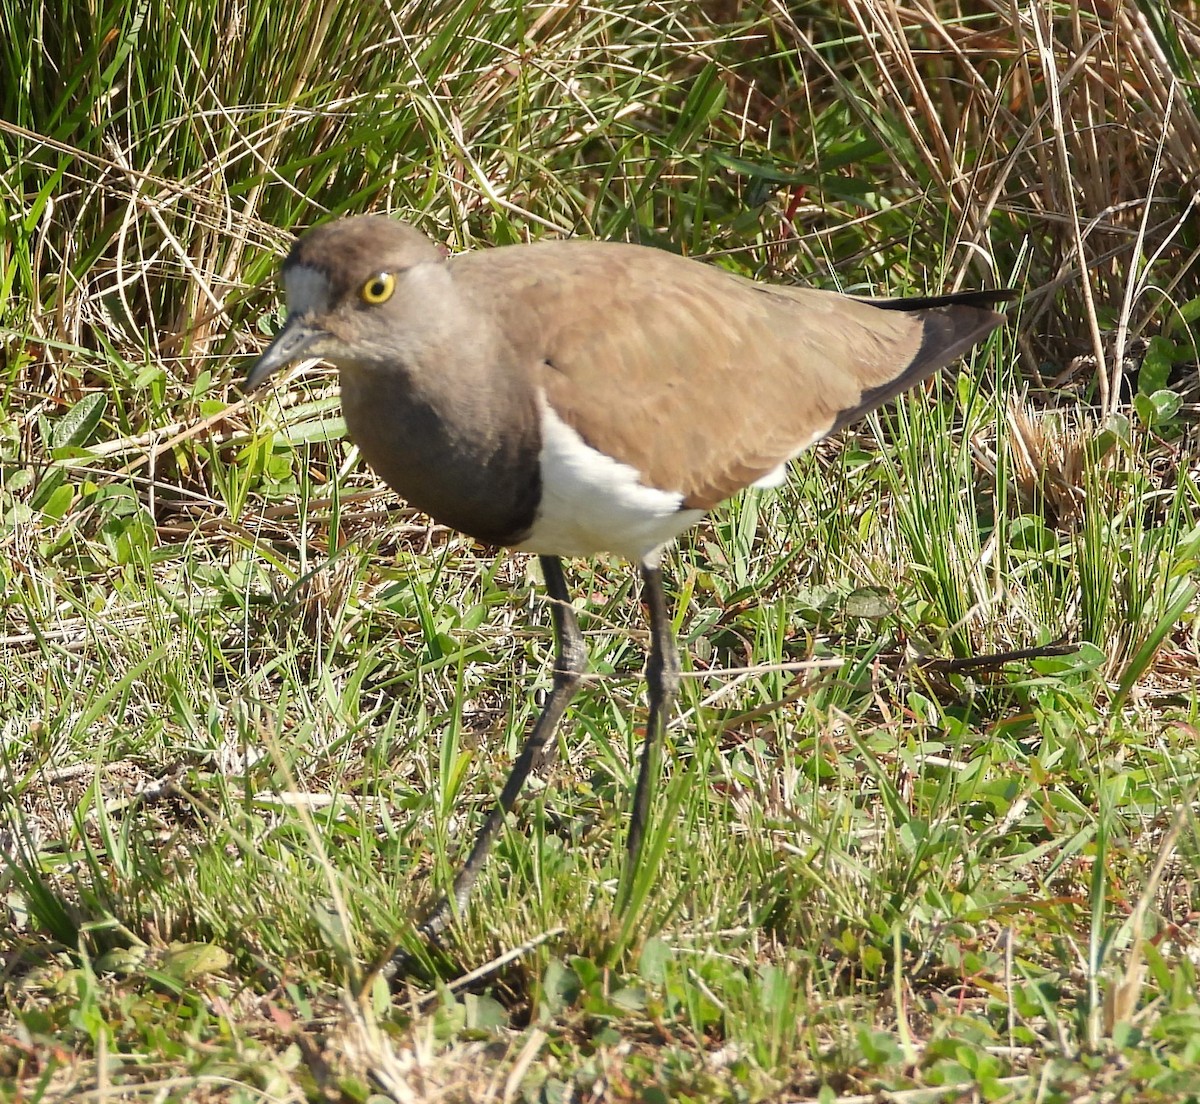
point(704, 381)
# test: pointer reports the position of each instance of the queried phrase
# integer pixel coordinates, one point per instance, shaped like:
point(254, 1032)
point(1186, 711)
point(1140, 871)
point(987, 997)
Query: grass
point(252, 708)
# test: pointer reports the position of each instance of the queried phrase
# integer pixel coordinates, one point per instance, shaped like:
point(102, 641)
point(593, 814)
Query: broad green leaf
point(78, 424)
point(1161, 355)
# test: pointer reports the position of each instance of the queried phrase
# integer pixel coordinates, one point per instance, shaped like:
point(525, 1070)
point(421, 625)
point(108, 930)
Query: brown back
point(701, 379)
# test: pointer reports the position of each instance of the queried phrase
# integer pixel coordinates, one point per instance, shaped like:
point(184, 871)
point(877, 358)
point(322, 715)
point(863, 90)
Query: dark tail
point(957, 299)
point(951, 326)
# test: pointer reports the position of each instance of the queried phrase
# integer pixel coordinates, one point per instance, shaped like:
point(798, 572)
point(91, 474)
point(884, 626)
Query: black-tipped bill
point(293, 342)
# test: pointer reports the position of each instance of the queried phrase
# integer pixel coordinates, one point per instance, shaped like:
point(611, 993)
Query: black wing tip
point(982, 299)
point(947, 335)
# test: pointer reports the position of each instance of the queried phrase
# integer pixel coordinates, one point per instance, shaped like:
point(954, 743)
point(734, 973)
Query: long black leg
point(540, 746)
point(662, 678)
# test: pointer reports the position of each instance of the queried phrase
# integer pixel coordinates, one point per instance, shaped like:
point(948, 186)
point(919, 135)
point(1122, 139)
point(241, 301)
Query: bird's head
point(360, 292)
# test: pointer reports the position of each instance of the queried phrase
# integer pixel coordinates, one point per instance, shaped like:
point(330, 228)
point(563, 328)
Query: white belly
point(592, 503)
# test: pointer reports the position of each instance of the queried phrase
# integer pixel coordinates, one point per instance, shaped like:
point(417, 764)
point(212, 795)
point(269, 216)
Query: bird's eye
point(378, 289)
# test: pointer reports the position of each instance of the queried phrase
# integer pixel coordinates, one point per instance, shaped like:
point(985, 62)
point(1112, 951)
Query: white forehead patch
point(307, 289)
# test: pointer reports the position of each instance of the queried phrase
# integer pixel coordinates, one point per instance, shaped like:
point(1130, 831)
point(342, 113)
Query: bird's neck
point(442, 430)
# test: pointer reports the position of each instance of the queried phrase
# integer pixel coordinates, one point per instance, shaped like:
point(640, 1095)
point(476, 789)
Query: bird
point(574, 398)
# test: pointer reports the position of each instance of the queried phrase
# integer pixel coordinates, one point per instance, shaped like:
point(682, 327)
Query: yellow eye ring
point(378, 289)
